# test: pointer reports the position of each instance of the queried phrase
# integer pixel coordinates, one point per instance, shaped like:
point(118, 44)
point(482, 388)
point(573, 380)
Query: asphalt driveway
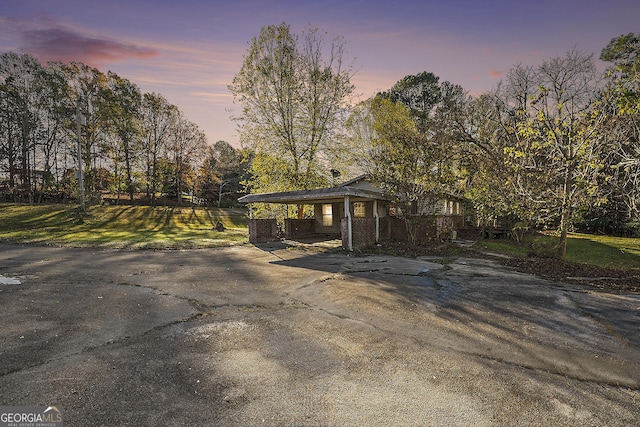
point(272, 336)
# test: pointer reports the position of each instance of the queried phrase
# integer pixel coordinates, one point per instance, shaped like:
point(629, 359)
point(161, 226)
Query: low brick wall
point(263, 230)
point(430, 228)
point(392, 228)
point(363, 232)
point(363, 229)
point(299, 227)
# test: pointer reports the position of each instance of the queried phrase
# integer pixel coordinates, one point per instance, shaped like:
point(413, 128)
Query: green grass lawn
point(122, 226)
point(602, 251)
point(185, 227)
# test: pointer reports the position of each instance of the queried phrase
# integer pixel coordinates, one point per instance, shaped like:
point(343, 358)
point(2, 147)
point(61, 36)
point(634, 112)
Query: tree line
point(555, 145)
point(552, 146)
point(131, 145)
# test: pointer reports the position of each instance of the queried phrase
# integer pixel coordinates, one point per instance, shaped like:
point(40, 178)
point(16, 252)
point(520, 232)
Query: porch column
point(347, 213)
point(377, 217)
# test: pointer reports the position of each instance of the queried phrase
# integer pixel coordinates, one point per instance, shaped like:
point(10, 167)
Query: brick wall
point(299, 227)
point(363, 232)
point(430, 228)
point(263, 230)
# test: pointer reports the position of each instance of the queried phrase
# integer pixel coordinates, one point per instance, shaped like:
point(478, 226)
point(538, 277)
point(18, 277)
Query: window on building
point(327, 215)
point(359, 210)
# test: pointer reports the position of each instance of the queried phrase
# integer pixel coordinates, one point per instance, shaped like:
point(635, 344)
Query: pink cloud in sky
point(190, 50)
point(62, 44)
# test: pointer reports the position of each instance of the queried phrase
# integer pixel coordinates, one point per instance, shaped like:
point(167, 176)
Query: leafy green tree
point(87, 87)
point(54, 97)
point(401, 162)
point(407, 139)
point(420, 93)
point(124, 102)
point(20, 84)
point(221, 173)
point(158, 118)
point(166, 172)
point(208, 180)
point(34, 102)
point(552, 120)
point(230, 168)
point(488, 131)
point(436, 108)
point(293, 91)
point(187, 143)
point(623, 53)
point(119, 133)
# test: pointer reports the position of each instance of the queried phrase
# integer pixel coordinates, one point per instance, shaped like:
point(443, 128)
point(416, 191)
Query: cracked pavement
point(276, 336)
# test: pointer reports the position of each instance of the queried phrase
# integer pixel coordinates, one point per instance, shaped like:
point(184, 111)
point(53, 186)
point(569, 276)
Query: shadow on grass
point(117, 226)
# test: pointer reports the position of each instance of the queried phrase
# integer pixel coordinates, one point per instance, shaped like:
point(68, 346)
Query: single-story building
point(357, 211)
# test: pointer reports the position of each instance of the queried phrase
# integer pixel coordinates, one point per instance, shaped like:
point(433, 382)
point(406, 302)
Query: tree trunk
point(154, 178)
point(565, 217)
point(562, 249)
point(128, 169)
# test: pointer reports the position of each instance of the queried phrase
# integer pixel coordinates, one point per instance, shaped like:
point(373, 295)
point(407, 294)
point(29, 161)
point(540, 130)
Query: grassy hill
point(122, 226)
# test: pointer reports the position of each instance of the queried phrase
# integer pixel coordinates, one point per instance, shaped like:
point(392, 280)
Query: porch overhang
point(320, 195)
point(342, 194)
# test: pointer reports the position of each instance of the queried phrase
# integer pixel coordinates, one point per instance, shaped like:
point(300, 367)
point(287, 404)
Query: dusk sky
point(190, 50)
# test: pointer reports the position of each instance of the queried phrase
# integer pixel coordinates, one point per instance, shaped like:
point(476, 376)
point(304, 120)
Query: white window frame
point(327, 214)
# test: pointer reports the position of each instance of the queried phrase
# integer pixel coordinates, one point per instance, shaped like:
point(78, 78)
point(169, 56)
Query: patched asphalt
point(277, 336)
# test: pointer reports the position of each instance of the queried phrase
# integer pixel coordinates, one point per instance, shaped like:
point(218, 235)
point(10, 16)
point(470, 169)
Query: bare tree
point(293, 92)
